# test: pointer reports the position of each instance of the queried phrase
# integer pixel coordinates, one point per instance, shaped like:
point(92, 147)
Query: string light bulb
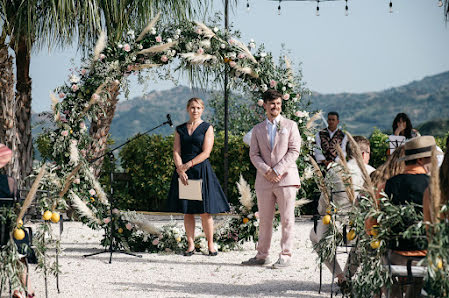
point(247, 5)
point(279, 8)
point(346, 8)
point(317, 8)
point(440, 3)
point(391, 7)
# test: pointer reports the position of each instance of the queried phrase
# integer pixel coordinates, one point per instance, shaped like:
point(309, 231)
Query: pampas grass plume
point(32, 193)
point(246, 197)
point(100, 45)
point(83, 209)
point(148, 27)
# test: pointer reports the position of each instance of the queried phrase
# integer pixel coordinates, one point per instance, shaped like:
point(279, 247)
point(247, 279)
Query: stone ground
point(170, 275)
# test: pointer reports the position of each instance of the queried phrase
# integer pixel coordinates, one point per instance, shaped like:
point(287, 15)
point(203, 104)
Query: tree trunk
point(8, 128)
point(99, 129)
point(24, 152)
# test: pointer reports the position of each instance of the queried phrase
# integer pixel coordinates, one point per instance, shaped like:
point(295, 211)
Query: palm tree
point(30, 24)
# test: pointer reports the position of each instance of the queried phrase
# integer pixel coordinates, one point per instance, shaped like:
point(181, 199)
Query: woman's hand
point(184, 178)
point(186, 166)
point(401, 128)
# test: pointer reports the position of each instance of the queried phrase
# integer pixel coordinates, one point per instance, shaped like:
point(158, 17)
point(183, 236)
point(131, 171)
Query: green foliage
point(243, 113)
point(148, 161)
point(379, 147)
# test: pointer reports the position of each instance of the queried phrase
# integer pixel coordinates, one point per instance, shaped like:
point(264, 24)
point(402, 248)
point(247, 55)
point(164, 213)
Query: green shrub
point(379, 147)
point(148, 162)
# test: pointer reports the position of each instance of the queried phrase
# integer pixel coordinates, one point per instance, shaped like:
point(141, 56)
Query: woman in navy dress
point(192, 146)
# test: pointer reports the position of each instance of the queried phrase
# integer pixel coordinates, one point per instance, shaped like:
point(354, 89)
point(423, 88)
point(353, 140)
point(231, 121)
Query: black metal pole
point(226, 116)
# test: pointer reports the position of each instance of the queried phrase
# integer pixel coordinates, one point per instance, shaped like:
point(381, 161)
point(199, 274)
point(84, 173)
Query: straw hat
point(419, 147)
point(5, 155)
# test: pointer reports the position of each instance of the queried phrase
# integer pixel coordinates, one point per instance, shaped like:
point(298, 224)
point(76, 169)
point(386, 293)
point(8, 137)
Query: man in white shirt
point(327, 139)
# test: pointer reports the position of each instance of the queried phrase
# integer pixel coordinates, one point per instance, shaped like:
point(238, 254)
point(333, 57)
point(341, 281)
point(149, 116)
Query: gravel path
point(170, 275)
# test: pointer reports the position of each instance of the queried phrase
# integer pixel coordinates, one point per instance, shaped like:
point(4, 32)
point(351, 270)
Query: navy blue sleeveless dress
point(214, 200)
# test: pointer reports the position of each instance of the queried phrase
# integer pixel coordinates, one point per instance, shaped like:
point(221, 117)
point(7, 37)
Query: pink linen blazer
point(282, 158)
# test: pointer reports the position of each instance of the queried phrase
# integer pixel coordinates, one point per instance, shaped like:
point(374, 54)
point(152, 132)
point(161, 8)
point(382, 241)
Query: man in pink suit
point(275, 146)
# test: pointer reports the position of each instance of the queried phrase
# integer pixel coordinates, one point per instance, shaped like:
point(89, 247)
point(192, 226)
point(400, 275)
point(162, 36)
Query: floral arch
point(86, 95)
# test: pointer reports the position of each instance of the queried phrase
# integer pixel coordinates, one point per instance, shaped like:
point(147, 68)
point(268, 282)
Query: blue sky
point(369, 50)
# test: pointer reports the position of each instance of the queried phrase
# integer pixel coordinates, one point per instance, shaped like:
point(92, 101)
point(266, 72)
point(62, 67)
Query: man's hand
point(271, 176)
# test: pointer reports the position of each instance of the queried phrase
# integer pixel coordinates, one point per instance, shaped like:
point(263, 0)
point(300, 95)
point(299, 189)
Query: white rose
point(232, 55)
point(223, 46)
point(176, 36)
point(153, 31)
point(74, 79)
point(178, 31)
point(169, 40)
point(120, 46)
point(283, 88)
point(215, 29)
point(263, 54)
point(252, 45)
point(290, 85)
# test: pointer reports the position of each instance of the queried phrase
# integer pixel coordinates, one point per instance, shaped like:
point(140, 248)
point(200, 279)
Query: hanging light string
point(279, 7)
point(247, 5)
point(346, 8)
point(391, 7)
point(317, 8)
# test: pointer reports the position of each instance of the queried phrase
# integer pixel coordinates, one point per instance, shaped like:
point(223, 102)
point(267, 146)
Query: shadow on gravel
point(265, 288)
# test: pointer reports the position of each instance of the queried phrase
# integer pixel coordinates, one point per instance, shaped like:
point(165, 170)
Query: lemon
point(55, 217)
point(440, 263)
point(120, 230)
point(245, 220)
point(351, 235)
point(375, 244)
point(326, 219)
point(19, 234)
point(178, 239)
point(20, 224)
point(47, 215)
point(375, 230)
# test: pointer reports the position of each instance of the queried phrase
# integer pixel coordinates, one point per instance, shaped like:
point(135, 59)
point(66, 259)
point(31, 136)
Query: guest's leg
point(189, 225)
point(265, 203)
point(208, 228)
point(315, 238)
point(286, 202)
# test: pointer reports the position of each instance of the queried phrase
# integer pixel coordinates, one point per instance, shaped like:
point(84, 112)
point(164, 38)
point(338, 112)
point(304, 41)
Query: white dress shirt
point(319, 156)
point(272, 129)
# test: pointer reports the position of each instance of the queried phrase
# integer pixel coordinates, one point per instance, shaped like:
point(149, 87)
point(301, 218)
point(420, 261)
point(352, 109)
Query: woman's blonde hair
point(197, 100)
point(392, 167)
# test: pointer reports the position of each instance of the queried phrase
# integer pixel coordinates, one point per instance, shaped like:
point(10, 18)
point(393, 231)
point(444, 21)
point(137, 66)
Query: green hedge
point(149, 164)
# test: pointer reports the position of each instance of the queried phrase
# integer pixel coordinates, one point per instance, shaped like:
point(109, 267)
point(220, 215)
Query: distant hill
point(424, 100)
point(143, 113)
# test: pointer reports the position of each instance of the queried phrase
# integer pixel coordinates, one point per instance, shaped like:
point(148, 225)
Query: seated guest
point(402, 131)
point(341, 200)
point(7, 190)
point(410, 187)
point(328, 138)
